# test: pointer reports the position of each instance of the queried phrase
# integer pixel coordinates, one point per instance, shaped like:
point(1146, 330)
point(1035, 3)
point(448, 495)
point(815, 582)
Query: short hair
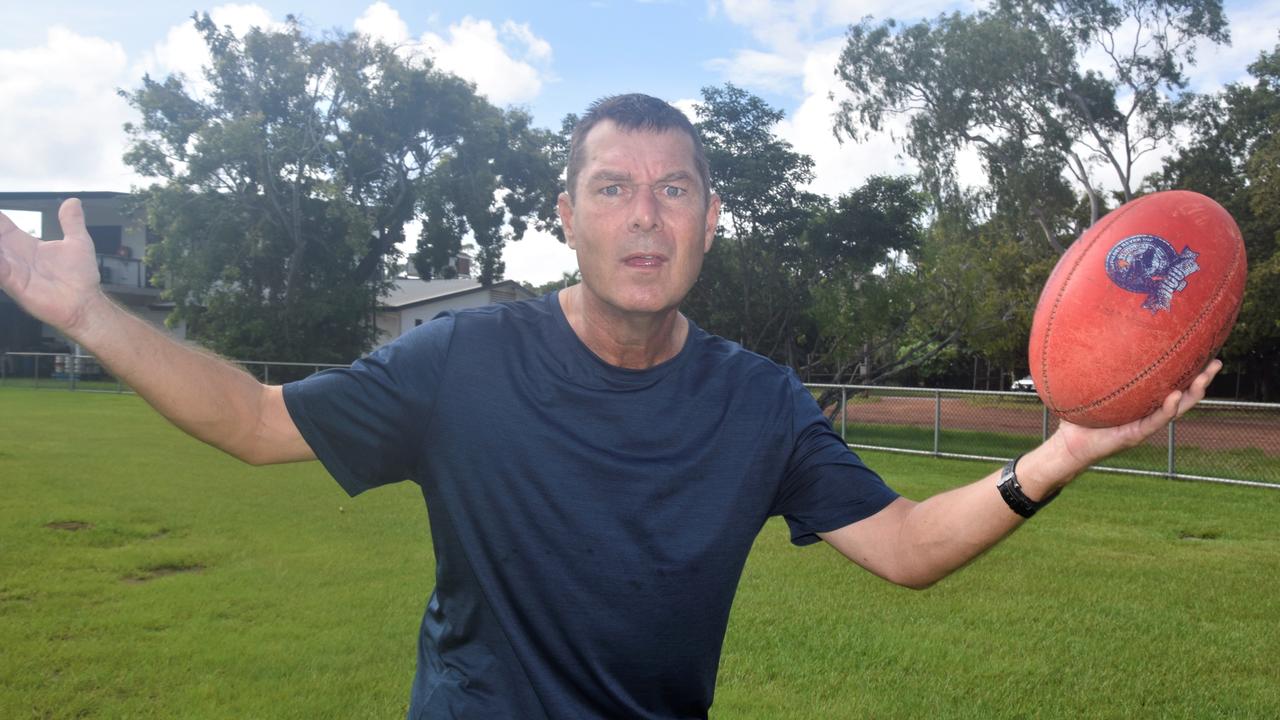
point(631, 112)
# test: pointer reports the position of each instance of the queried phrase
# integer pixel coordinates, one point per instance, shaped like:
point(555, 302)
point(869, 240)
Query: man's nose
point(645, 214)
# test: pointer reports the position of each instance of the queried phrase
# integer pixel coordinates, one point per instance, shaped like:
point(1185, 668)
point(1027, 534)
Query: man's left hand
point(1082, 446)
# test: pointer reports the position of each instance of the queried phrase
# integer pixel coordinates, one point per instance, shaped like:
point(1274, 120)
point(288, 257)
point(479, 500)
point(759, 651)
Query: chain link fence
point(68, 371)
point(1219, 441)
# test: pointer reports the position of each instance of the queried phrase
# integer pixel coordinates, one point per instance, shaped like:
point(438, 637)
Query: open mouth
point(641, 260)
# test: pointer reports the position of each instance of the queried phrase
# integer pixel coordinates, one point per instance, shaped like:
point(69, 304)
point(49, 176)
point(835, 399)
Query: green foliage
point(566, 280)
point(870, 287)
point(1007, 82)
point(1233, 158)
point(289, 173)
point(752, 287)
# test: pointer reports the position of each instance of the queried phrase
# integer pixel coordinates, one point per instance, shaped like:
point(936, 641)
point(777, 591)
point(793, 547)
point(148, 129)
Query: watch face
point(1008, 472)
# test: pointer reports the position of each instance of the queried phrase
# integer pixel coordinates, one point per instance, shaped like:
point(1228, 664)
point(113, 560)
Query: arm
point(207, 397)
point(918, 543)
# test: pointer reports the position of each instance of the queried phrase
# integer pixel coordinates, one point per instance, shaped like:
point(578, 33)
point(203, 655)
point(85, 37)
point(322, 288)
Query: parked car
point(1026, 384)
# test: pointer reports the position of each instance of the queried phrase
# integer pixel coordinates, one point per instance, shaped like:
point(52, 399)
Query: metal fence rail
point(68, 371)
point(1220, 441)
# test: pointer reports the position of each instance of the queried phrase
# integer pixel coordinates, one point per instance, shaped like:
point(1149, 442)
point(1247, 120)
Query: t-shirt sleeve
point(826, 485)
point(365, 423)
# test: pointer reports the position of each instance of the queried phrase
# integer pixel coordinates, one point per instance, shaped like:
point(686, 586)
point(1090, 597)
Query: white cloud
point(686, 106)
point(508, 65)
point(753, 68)
point(535, 47)
point(382, 22)
point(1254, 30)
point(789, 32)
point(838, 167)
point(62, 118)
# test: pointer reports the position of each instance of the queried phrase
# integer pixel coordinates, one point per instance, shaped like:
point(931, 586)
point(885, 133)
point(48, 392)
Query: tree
point(1009, 82)
point(1234, 157)
point(567, 279)
point(919, 298)
point(753, 286)
point(286, 186)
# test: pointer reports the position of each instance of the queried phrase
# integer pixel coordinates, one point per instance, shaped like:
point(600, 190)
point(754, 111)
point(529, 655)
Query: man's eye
point(672, 191)
point(611, 190)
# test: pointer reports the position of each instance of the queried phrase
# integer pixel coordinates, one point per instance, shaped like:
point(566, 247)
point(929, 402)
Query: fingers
point(1177, 403)
point(1199, 386)
point(71, 218)
point(1168, 410)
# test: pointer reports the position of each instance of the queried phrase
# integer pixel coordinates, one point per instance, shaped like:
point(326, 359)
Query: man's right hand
point(58, 283)
point(55, 281)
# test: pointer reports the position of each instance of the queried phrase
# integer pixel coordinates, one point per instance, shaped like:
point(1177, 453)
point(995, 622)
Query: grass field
point(195, 587)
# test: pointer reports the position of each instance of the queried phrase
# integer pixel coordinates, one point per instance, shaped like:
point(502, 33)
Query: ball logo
point(1149, 265)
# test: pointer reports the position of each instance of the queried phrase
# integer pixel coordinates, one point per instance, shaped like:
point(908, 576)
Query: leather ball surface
point(1136, 308)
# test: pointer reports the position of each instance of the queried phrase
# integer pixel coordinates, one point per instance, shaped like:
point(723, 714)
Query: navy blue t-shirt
point(590, 523)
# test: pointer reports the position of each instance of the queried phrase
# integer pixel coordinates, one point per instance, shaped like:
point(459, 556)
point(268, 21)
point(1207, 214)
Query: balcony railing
point(126, 271)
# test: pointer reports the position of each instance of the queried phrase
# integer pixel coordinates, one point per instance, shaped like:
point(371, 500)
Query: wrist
point(1047, 469)
point(1015, 496)
point(90, 319)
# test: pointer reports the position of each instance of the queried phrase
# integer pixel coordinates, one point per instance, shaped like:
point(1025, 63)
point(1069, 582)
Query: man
point(590, 536)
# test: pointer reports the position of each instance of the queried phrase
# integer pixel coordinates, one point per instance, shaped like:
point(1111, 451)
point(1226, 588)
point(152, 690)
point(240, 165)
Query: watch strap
point(1014, 497)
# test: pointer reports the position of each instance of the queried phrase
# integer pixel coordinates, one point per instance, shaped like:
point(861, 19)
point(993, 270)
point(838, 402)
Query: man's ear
point(713, 219)
point(564, 204)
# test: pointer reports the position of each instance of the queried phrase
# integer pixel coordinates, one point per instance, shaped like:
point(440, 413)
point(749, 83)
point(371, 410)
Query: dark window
point(417, 322)
point(106, 238)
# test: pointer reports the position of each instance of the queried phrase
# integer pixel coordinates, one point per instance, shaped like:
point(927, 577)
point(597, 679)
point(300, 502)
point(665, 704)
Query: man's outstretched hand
point(55, 281)
point(1086, 446)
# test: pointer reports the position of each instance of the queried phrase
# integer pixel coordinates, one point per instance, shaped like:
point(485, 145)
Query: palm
point(51, 280)
point(1089, 445)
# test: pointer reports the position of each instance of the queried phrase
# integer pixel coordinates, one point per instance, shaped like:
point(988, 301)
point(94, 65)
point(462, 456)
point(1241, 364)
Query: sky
point(62, 62)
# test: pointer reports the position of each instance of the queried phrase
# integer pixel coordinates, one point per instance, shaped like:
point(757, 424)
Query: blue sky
point(61, 61)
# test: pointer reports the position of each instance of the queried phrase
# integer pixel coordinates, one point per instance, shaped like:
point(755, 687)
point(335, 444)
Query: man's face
point(640, 221)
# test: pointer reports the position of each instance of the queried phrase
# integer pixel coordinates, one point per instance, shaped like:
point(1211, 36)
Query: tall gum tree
point(1234, 157)
point(1057, 97)
point(285, 181)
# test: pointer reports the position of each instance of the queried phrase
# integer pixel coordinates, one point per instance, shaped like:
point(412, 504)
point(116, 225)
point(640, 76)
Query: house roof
point(414, 291)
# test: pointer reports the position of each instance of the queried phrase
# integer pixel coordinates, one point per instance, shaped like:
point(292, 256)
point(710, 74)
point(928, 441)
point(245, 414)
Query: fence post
point(937, 420)
point(266, 374)
point(1044, 423)
point(844, 412)
point(1172, 462)
point(4, 368)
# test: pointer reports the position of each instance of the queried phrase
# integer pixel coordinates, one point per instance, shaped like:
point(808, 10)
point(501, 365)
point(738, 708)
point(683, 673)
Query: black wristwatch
point(1011, 491)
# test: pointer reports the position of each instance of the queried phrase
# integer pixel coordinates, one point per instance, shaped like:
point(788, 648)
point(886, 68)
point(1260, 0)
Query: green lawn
point(200, 588)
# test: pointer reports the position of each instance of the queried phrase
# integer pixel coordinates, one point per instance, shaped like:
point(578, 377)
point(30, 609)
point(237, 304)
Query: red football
point(1136, 308)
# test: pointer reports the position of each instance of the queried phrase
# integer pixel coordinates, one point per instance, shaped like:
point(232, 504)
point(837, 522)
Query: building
point(121, 239)
point(412, 302)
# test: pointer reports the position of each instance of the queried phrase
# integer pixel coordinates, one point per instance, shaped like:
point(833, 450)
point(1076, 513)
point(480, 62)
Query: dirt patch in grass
point(1203, 535)
point(71, 525)
point(158, 571)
